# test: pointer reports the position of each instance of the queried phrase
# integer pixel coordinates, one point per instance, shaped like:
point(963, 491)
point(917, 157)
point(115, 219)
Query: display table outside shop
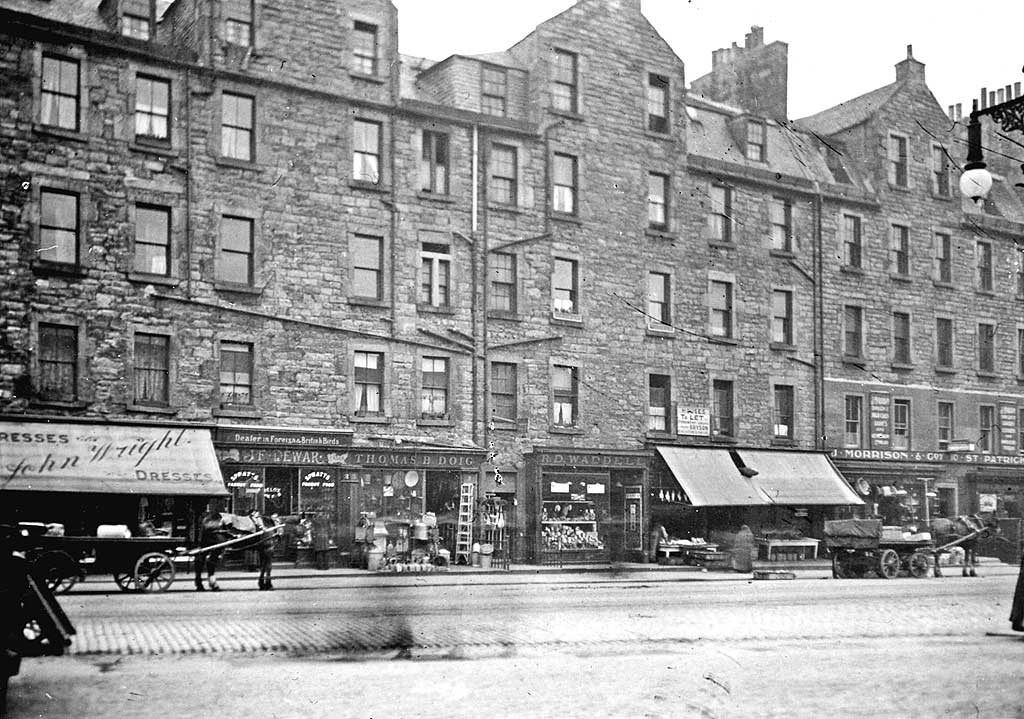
point(769, 549)
point(688, 553)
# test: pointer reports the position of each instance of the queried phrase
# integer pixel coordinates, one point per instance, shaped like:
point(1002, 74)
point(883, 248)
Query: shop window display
point(574, 516)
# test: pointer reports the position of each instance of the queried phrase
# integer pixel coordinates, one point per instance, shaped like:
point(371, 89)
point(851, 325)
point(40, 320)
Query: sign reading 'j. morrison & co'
point(895, 455)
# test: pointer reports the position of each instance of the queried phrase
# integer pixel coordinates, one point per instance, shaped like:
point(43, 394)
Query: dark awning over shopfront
point(712, 477)
point(108, 459)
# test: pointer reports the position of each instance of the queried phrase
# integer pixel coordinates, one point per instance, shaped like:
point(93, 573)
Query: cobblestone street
point(541, 646)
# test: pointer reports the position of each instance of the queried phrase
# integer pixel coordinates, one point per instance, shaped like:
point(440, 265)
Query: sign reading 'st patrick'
point(117, 459)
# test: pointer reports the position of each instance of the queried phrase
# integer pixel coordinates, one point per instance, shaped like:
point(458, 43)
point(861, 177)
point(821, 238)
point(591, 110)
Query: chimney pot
point(910, 52)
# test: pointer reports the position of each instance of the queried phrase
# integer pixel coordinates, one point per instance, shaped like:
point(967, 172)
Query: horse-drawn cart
point(140, 564)
point(859, 548)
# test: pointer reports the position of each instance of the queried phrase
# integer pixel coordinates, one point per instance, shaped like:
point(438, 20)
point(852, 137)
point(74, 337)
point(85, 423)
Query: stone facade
point(486, 228)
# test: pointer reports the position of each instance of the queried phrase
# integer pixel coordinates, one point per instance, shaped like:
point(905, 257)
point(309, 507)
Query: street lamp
point(976, 180)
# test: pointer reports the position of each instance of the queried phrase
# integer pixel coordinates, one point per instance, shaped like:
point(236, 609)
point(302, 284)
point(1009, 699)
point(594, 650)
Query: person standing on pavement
point(1017, 607)
point(321, 540)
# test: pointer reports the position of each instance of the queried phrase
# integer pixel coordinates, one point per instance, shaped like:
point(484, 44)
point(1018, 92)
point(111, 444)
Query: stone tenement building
point(548, 272)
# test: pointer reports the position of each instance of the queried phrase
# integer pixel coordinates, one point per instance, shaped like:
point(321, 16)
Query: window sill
point(75, 135)
point(237, 164)
point(781, 347)
point(503, 207)
point(561, 429)
point(723, 439)
point(899, 188)
point(152, 408)
point(984, 374)
point(782, 254)
point(731, 341)
point(985, 293)
point(503, 315)
point(943, 285)
point(783, 442)
point(901, 367)
point(434, 310)
point(159, 149)
point(73, 404)
point(851, 270)
point(853, 360)
point(368, 186)
point(897, 277)
point(566, 319)
point(565, 217)
point(567, 114)
point(369, 419)
point(367, 302)
point(59, 269)
point(237, 289)
point(429, 196)
point(236, 411)
point(363, 77)
point(147, 279)
point(504, 425)
point(661, 330)
point(942, 369)
point(655, 135)
point(436, 422)
point(661, 234)
point(657, 435)
point(724, 244)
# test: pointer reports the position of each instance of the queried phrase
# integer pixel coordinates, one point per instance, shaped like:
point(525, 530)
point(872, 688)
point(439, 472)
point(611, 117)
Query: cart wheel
point(125, 581)
point(918, 564)
point(889, 564)
point(154, 572)
point(57, 570)
point(838, 570)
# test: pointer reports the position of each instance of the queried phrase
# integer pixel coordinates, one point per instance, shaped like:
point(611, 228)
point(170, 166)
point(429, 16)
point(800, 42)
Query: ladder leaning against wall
point(464, 531)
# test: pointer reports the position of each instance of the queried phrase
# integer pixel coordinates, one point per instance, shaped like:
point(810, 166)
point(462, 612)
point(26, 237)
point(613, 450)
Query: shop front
point(905, 487)
point(585, 506)
point(703, 496)
point(141, 479)
point(345, 499)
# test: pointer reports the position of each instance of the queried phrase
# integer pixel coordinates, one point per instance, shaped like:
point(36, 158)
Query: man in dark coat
point(1017, 608)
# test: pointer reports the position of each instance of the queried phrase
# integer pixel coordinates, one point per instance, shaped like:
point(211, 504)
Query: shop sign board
point(281, 437)
point(879, 417)
point(592, 459)
point(361, 458)
point(895, 455)
point(1008, 427)
point(693, 421)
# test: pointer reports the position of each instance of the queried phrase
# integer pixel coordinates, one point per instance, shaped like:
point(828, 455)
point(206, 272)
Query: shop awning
point(798, 478)
point(711, 477)
point(109, 459)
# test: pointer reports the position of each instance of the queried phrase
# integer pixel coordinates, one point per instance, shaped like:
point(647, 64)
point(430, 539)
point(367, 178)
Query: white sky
point(837, 51)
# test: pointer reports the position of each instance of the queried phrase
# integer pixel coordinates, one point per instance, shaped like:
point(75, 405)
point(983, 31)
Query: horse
point(946, 531)
point(217, 527)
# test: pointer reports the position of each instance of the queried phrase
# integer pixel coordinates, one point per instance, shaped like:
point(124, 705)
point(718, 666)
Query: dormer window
point(493, 90)
point(135, 19)
point(238, 22)
point(756, 146)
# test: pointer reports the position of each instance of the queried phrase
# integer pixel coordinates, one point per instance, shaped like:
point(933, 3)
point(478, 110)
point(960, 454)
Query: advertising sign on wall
point(694, 421)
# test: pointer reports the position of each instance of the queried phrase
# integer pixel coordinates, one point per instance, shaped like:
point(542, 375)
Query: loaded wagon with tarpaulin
point(862, 547)
point(123, 499)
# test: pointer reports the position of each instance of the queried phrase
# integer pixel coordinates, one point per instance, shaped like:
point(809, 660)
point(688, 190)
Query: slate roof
point(849, 113)
point(83, 13)
point(791, 151)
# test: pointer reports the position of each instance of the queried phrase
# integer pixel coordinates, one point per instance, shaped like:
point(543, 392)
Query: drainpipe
point(819, 322)
point(474, 261)
point(188, 183)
